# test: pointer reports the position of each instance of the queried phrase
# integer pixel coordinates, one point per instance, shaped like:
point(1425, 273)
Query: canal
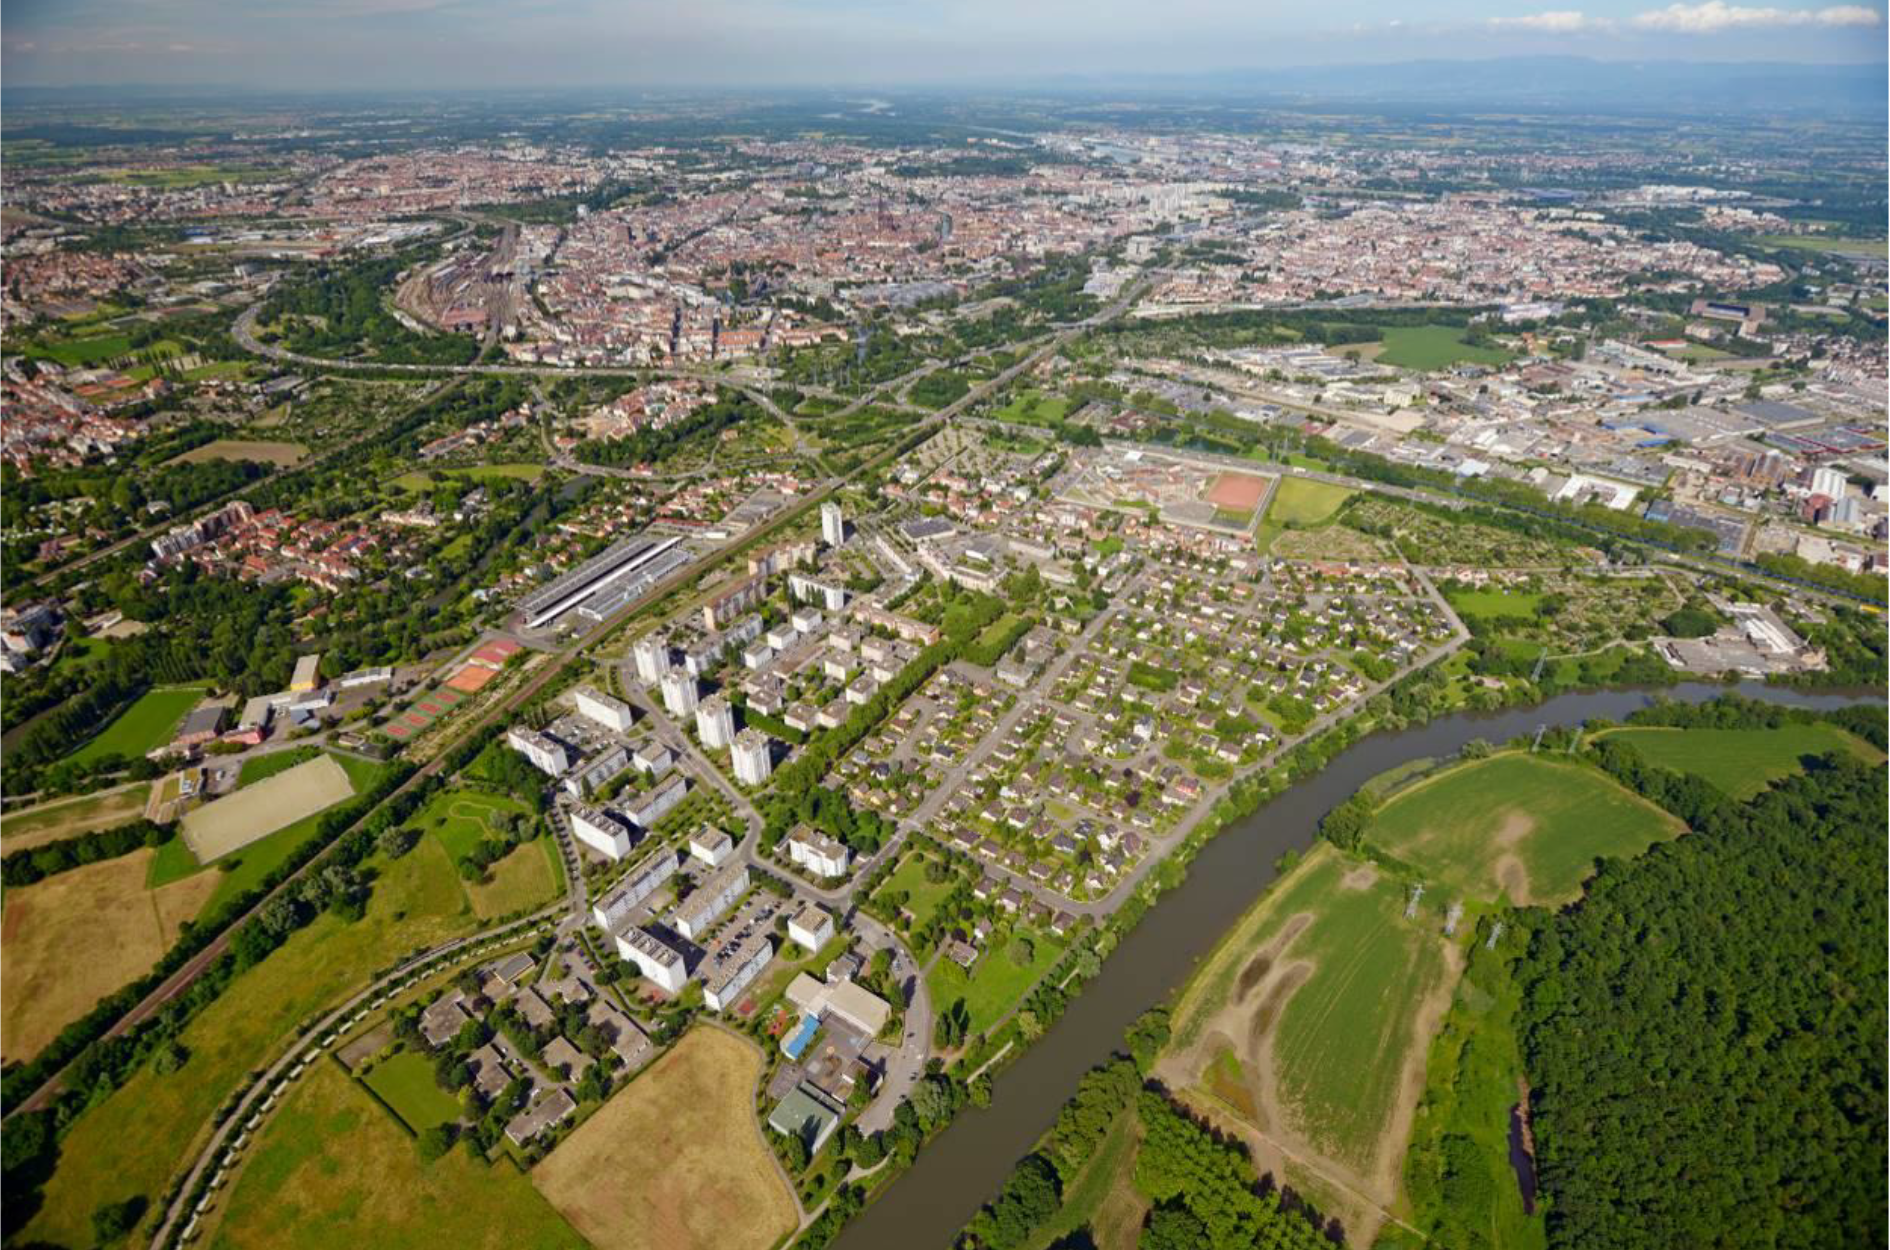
point(966, 1164)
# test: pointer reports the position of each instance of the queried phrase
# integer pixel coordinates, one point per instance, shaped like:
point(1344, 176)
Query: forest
point(1705, 1031)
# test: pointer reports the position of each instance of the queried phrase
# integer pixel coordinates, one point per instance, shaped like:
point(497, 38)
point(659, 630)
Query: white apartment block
point(730, 971)
point(601, 831)
point(680, 694)
point(614, 907)
point(609, 712)
point(659, 962)
point(652, 657)
point(711, 901)
point(548, 756)
point(818, 853)
point(754, 758)
point(715, 723)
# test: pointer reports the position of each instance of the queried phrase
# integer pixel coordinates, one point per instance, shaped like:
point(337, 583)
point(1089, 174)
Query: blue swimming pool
point(794, 1043)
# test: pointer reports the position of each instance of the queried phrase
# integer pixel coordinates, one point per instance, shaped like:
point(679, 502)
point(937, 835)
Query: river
point(966, 1164)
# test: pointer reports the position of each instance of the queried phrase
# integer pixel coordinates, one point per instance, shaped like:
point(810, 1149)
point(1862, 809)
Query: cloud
point(1553, 22)
point(1710, 17)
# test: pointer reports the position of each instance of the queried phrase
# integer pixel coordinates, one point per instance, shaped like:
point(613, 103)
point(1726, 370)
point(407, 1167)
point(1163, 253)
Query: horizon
point(352, 46)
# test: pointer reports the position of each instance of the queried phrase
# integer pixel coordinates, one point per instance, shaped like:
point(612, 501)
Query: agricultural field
point(281, 455)
point(129, 1143)
point(1436, 347)
point(405, 1083)
point(1305, 1032)
point(996, 983)
point(147, 724)
point(1518, 826)
point(255, 811)
point(74, 938)
point(675, 1161)
point(334, 1172)
point(28, 827)
point(1742, 762)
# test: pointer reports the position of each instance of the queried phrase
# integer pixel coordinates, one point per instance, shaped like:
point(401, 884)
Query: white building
point(754, 758)
point(711, 901)
point(811, 926)
point(614, 907)
point(818, 853)
point(659, 962)
point(657, 804)
point(654, 758)
point(652, 656)
point(731, 970)
point(715, 723)
point(547, 755)
point(833, 525)
point(611, 713)
point(680, 694)
point(601, 831)
point(712, 846)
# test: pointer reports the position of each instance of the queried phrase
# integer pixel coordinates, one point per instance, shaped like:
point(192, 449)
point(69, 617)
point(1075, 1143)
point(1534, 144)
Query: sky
point(434, 44)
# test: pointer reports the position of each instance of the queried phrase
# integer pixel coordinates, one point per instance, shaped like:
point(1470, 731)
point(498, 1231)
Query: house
point(200, 726)
point(553, 1109)
point(308, 674)
point(535, 1010)
point(561, 1056)
point(625, 1036)
point(489, 1073)
point(441, 1022)
point(508, 970)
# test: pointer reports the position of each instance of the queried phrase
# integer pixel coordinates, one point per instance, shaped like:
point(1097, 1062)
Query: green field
point(1435, 347)
point(332, 1172)
point(462, 818)
point(1033, 408)
point(261, 767)
point(1742, 762)
point(1301, 503)
point(246, 869)
point(1515, 824)
point(995, 984)
point(146, 725)
point(130, 1142)
point(1103, 1197)
point(923, 897)
point(1492, 603)
point(405, 1083)
point(422, 479)
point(84, 352)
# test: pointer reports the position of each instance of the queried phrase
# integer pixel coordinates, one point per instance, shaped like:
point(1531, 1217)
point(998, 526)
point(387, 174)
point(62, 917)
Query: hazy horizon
point(379, 45)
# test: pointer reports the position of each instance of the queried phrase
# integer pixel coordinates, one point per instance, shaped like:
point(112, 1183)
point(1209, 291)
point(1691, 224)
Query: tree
point(436, 1141)
point(1147, 1036)
point(112, 1220)
point(394, 843)
point(169, 1056)
point(1172, 1228)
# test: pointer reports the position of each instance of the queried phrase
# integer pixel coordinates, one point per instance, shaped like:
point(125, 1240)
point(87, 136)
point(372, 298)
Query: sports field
point(279, 454)
point(234, 821)
point(130, 1143)
point(405, 1083)
point(1301, 503)
point(1524, 826)
point(70, 940)
point(147, 724)
point(675, 1161)
point(49, 822)
point(1742, 762)
point(1306, 1029)
point(1238, 492)
point(1435, 347)
point(333, 1172)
